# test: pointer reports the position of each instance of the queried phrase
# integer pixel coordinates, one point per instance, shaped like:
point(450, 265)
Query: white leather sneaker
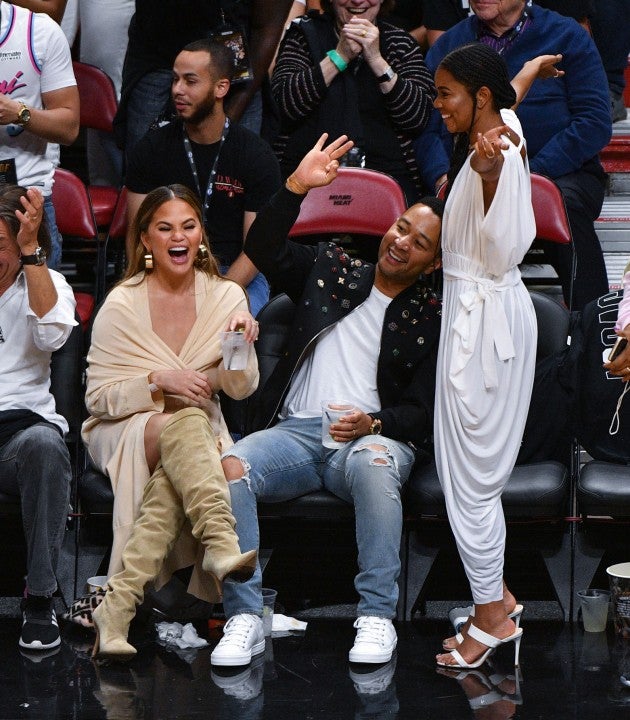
point(243, 637)
point(375, 641)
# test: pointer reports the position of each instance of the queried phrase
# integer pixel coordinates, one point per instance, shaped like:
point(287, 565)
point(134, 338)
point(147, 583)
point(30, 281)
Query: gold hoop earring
point(202, 253)
point(148, 261)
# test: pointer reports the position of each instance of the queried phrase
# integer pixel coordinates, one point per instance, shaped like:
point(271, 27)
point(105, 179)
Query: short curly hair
point(386, 6)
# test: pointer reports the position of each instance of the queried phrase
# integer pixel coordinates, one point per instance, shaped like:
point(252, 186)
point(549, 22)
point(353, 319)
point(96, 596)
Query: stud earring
point(148, 261)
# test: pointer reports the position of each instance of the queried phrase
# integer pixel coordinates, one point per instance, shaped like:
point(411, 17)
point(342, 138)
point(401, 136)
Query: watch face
point(24, 116)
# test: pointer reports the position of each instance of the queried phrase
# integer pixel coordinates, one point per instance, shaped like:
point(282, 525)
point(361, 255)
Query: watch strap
point(37, 258)
point(386, 76)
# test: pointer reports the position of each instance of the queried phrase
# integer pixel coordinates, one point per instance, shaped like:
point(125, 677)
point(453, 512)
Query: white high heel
point(459, 615)
point(491, 642)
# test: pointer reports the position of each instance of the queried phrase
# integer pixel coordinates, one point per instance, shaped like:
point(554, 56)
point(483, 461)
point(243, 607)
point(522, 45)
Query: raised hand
point(319, 166)
point(30, 219)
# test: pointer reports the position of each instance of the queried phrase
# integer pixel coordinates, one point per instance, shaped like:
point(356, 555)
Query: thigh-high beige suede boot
point(190, 456)
point(154, 534)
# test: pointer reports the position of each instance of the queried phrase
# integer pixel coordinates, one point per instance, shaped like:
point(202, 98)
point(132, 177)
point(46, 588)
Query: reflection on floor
point(565, 673)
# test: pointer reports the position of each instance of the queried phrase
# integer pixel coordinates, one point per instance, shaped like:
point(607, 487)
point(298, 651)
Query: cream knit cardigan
point(123, 352)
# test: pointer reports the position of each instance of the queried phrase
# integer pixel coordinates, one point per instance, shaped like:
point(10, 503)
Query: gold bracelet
point(294, 186)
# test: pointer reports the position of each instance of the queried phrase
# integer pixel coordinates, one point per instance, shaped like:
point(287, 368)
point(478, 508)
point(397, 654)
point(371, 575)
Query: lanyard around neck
point(213, 171)
point(509, 37)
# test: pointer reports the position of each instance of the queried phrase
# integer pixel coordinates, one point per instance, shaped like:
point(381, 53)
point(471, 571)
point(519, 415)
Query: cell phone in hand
point(617, 348)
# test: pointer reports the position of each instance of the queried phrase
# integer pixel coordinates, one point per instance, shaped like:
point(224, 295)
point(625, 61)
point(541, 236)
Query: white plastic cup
point(332, 412)
point(235, 350)
point(96, 583)
point(269, 603)
point(594, 604)
point(619, 579)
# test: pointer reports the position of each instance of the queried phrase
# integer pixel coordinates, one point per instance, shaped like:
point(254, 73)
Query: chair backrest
point(552, 223)
point(358, 201)
point(97, 96)
point(83, 254)
point(118, 228)
point(553, 320)
point(275, 320)
point(73, 209)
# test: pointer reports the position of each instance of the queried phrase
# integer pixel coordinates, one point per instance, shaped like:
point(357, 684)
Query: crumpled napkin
point(178, 635)
point(286, 624)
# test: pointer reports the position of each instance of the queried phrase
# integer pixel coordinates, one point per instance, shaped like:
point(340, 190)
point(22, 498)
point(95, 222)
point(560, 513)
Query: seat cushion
point(95, 492)
point(96, 495)
point(320, 505)
point(604, 489)
point(534, 491)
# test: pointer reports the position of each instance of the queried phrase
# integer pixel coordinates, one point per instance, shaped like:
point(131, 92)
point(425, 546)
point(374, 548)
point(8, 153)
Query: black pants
point(583, 193)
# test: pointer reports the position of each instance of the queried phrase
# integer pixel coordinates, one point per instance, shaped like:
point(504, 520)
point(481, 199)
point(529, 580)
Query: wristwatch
point(376, 427)
point(37, 258)
point(24, 114)
point(386, 76)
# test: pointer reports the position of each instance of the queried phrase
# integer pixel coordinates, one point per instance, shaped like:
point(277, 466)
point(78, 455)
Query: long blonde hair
point(205, 260)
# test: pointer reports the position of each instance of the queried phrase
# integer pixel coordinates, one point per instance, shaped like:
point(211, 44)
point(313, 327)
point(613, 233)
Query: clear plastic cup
point(235, 350)
point(269, 603)
point(332, 412)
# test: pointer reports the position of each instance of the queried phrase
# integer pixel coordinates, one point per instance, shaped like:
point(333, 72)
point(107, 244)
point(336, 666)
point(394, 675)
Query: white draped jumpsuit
point(486, 360)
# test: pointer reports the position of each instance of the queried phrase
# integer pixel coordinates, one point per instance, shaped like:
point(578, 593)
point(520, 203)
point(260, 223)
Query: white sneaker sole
point(235, 660)
point(358, 656)
point(37, 645)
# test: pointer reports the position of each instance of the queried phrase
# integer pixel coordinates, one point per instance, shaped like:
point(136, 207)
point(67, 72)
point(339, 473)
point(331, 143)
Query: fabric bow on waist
point(481, 309)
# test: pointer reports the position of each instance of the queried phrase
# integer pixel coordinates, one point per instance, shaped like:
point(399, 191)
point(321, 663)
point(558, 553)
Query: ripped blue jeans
point(289, 460)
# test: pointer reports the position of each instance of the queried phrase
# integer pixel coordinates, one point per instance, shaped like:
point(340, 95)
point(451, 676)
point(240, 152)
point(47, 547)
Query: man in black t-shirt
point(232, 170)
point(158, 31)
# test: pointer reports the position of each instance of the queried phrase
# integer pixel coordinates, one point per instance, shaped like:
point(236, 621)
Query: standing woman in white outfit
point(488, 345)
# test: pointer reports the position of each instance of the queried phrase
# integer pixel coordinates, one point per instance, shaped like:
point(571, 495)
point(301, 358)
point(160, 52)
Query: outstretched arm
point(539, 68)
point(319, 166)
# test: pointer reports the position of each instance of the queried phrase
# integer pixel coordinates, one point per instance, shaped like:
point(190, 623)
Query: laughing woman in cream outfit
point(156, 427)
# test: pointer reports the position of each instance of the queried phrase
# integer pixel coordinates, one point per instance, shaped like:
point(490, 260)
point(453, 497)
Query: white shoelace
point(370, 629)
point(237, 629)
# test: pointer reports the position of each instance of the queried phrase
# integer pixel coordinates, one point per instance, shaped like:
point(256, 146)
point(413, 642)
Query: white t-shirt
point(343, 364)
point(34, 59)
point(26, 343)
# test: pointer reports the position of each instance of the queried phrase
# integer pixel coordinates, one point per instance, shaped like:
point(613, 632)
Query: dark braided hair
point(475, 66)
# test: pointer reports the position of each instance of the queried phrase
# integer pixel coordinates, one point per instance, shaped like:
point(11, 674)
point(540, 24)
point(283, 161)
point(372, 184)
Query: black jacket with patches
point(326, 285)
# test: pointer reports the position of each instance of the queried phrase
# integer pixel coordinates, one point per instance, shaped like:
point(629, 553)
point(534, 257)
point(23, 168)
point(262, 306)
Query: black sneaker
point(40, 630)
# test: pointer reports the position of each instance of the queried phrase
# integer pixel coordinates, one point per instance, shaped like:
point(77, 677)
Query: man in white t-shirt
point(363, 334)
point(39, 104)
point(36, 318)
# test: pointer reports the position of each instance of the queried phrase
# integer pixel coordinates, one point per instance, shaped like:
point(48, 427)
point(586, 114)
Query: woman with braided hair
point(488, 344)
